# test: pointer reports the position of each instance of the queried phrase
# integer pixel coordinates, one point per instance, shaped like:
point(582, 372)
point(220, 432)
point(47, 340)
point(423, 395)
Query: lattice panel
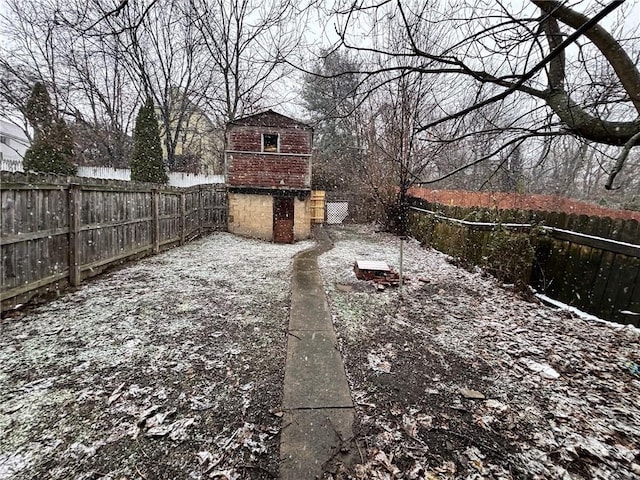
point(337, 212)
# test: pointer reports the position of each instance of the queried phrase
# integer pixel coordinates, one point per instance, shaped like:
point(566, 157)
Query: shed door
point(283, 219)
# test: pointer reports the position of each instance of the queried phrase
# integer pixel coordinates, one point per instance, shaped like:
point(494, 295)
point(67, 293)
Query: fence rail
point(606, 244)
point(596, 269)
point(54, 232)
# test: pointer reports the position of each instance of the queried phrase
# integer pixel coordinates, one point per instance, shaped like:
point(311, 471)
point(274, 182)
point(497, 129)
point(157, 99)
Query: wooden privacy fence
point(592, 263)
point(57, 230)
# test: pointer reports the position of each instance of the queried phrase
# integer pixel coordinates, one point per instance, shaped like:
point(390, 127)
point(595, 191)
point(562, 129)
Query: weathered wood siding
point(57, 231)
point(248, 166)
point(268, 170)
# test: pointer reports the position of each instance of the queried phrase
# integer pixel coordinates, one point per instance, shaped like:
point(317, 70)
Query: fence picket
point(74, 235)
point(54, 233)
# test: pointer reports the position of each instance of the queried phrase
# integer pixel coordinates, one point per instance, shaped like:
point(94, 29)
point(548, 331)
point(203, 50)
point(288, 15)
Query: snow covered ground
point(167, 368)
point(456, 377)
point(172, 368)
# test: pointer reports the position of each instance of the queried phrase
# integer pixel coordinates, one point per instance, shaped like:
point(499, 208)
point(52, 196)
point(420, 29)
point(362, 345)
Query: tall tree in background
point(28, 58)
point(247, 43)
point(146, 158)
point(330, 96)
point(104, 100)
point(52, 148)
point(84, 72)
point(164, 49)
point(368, 125)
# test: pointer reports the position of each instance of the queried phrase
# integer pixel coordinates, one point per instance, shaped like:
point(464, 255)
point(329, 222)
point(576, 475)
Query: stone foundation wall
point(302, 219)
point(251, 215)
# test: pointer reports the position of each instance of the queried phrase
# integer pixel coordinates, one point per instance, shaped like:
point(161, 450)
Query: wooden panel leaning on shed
point(268, 163)
point(57, 231)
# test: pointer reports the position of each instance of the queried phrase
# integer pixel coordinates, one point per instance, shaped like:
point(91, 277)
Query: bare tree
point(542, 53)
point(398, 157)
point(164, 58)
point(246, 42)
point(29, 56)
point(84, 74)
point(15, 87)
point(103, 101)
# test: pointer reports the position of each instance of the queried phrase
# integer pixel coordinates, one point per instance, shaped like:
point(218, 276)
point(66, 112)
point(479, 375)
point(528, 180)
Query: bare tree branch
point(517, 141)
point(555, 52)
point(622, 157)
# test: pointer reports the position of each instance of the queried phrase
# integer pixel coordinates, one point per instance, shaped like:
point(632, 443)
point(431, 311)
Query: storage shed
point(268, 163)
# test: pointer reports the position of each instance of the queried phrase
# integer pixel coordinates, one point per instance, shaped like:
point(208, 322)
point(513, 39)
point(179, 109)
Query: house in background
point(268, 168)
point(200, 144)
point(13, 142)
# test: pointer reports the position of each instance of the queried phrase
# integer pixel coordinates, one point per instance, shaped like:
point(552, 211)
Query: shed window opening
point(270, 142)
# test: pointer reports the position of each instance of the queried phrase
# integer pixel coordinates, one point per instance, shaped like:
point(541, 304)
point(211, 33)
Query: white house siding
point(13, 142)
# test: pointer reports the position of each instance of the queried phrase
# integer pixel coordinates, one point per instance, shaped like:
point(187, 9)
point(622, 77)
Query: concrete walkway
point(319, 414)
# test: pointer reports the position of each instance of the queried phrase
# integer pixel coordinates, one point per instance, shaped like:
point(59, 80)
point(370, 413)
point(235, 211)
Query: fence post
point(155, 222)
point(200, 212)
point(74, 234)
point(183, 218)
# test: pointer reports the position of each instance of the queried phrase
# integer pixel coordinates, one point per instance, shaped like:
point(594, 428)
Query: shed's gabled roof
point(269, 118)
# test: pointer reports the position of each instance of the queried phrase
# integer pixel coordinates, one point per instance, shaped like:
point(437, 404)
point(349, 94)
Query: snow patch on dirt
point(561, 396)
point(140, 369)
